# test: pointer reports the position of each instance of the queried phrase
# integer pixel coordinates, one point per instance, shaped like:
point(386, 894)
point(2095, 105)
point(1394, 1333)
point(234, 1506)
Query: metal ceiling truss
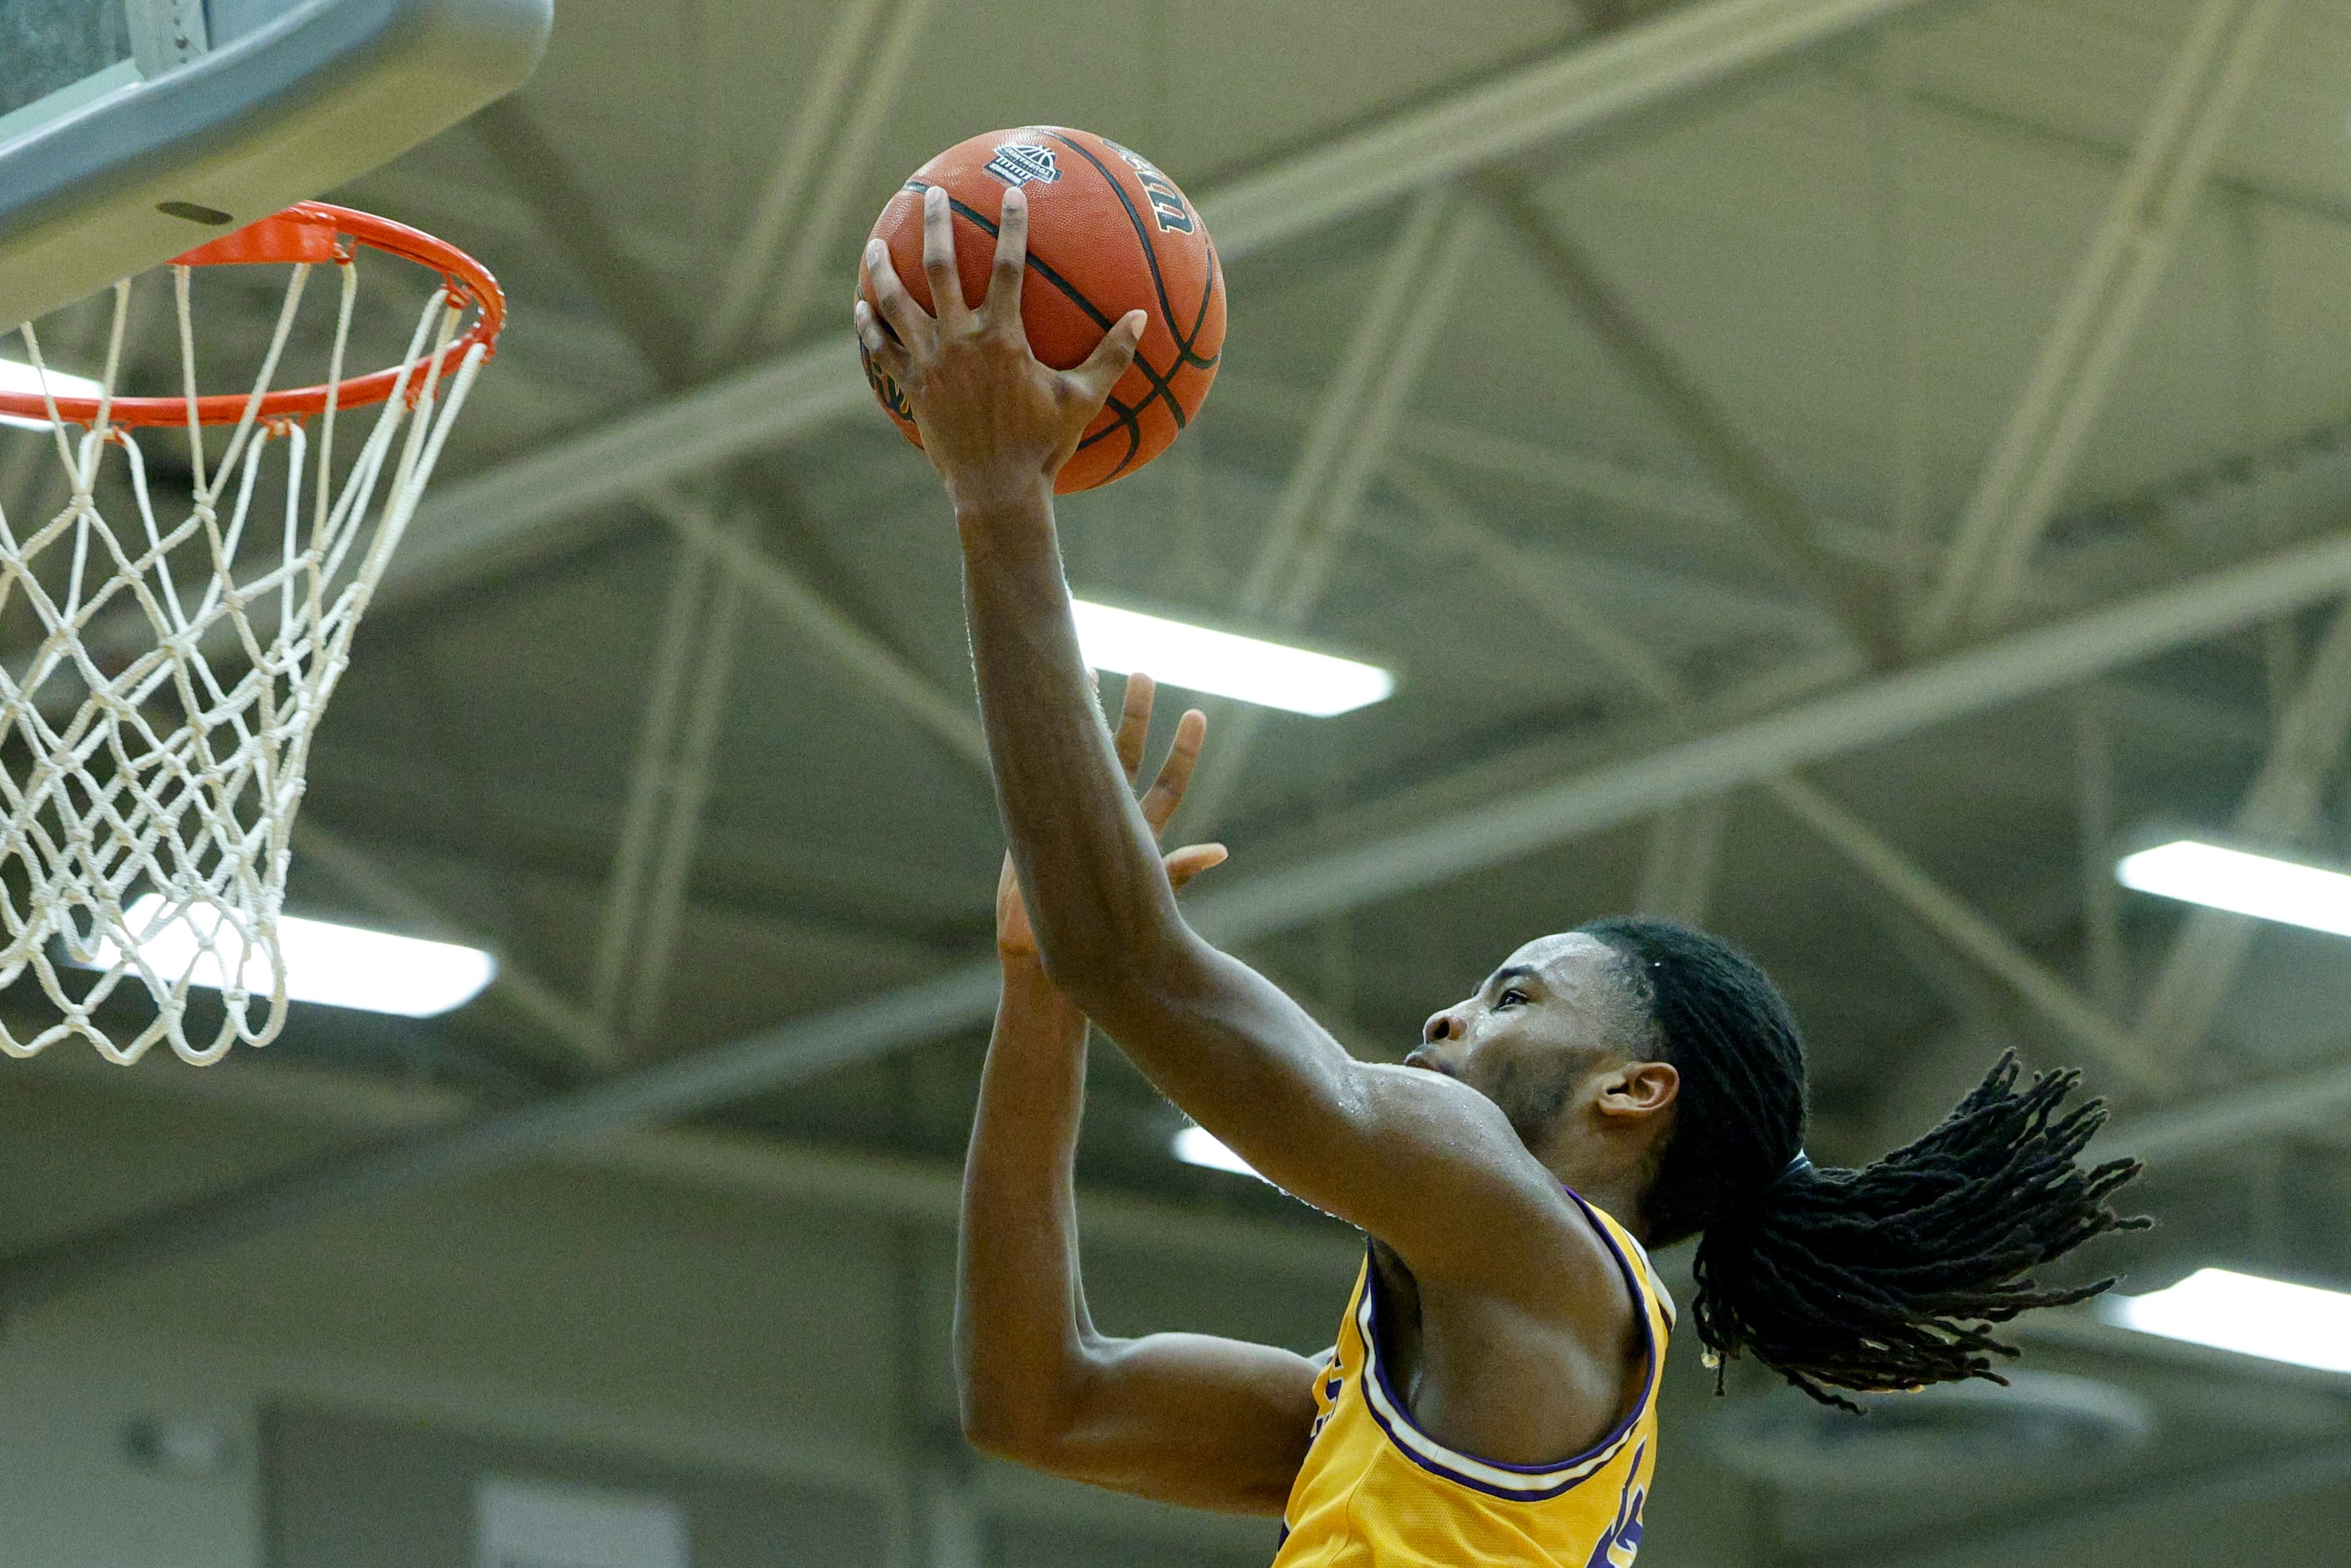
point(2025, 477)
point(1785, 525)
point(1418, 854)
point(751, 257)
point(669, 784)
point(1768, 504)
point(1345, 444)
point(1647, 70)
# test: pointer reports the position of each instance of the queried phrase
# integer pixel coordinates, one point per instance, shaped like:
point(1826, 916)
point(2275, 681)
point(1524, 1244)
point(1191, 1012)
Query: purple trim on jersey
point(1583, 1465)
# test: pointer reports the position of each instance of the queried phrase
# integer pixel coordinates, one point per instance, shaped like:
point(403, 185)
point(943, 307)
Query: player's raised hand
point(997, 422)
point(1015, 938)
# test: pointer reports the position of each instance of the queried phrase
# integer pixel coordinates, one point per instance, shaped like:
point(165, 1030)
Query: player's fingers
point(939, 257)
point(1134, 724)
point(1002, 310)
point(1110, 356)
point(1166, 791)
point(885, 351)
point(912, 323)
point(1189, 862)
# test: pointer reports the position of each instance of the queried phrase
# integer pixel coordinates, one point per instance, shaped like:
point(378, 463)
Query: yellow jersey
point(1376, 1491)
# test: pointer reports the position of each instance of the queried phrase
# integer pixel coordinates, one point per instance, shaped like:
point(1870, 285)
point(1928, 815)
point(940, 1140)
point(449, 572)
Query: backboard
point(131, 130)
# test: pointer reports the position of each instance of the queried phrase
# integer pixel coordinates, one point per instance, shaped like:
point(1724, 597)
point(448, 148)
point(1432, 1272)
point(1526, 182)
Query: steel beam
point(510, 510)
point(2111, 1509)
point(647, 805)
point(2025, 476)
point(1678, 872)
point(751, 258)
point(1688, 55)
point(669, 782)
point(2318, 1099)
point(1678, 61)
point(1872, 713)
point(672, 870)
point(2093, 802)
point(1939, 911)
point(846, 167)
point(1882, 708)
point(1345, 444)
point(1551, 589)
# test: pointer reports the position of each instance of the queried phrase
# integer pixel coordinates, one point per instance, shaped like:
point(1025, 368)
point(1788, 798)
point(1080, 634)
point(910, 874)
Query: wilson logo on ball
point(1018, 163)
point(1167, 204)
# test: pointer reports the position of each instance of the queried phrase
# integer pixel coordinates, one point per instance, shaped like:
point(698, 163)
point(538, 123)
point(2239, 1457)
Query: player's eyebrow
point(1511, 972)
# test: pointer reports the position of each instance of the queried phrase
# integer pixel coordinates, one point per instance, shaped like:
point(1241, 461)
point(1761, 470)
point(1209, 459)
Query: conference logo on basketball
point(1019, 162)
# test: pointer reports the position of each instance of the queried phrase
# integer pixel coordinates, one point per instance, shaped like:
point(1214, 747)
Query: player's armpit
point(1187, 1419)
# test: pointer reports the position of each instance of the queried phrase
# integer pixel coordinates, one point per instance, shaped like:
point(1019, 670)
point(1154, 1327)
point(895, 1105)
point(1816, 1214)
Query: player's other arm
point(1426, 1164)
point(1184, 1418)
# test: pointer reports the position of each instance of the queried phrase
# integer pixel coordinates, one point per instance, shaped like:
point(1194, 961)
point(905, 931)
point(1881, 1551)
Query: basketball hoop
point(160, 684)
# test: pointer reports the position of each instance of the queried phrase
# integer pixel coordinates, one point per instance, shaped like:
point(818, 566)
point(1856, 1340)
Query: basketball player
point(1493, 1395)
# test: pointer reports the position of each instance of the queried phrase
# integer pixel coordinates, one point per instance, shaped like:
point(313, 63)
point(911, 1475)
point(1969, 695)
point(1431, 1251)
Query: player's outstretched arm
point(1426, 1164)
point(1184, 1418)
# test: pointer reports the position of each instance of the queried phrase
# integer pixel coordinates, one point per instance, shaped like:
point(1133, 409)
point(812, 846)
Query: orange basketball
point(1108, 233)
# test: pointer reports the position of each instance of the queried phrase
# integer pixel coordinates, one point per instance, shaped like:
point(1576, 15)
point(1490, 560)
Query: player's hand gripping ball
point(1108, 233)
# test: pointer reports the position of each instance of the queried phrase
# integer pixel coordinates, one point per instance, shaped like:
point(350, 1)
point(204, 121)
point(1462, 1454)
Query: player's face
point(1550, 1014)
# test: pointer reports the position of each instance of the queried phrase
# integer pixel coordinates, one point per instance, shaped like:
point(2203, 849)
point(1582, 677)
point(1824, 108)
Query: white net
point(163, 671)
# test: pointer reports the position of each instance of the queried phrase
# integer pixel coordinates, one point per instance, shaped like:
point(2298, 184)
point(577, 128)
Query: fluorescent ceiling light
point(1197, 1146)
point(340, 966)
point(1194, 657)
point(2246, 1313)
point(2246, 883)
point(15, 376)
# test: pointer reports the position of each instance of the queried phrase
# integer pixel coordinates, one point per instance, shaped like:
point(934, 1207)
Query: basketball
point(1108, 233)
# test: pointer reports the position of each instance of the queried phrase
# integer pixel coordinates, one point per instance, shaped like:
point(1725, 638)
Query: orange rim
point(293, 236)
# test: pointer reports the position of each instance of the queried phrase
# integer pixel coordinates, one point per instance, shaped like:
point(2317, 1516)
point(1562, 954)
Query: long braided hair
point(1888, 1277)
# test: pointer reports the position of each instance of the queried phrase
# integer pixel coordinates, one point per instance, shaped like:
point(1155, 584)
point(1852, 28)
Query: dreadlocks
point(1888, 1277)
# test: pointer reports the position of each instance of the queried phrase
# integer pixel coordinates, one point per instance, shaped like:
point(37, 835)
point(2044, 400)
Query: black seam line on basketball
point(1143, 236)
point(1207, 294)
point(1184, 354)
point(1164, 386)
point(1160, 386)
point(1128, 422)
point(1128, 419)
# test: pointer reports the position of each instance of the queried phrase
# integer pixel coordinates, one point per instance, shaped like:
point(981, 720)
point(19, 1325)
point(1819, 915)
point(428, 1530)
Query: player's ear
point(1636, 1089)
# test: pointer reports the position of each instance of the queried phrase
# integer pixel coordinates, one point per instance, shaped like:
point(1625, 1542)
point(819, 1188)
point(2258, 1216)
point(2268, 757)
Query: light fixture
point(2246, 883)
point(15, 376)
point(2243, 1313)
point(1198, 1146)
point(340, 965)
point(1200, 660)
